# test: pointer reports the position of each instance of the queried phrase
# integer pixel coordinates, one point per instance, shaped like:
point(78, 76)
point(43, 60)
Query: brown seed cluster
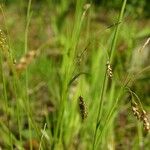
point(145, 120)
point(3, 41)
point(135, 110)
point(25, 60)
point(83, 108)
point(109, 69)
point(140, 115)
point(7, 57)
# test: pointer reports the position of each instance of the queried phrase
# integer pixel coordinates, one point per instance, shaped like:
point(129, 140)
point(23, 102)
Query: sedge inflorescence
point(109, 69)
point(140, 114)
point(83, 108)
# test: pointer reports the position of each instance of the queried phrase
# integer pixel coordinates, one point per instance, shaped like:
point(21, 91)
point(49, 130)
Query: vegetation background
point(74, 74)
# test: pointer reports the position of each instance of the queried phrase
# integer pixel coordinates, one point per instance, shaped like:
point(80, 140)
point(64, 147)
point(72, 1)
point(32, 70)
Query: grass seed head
point(141, 115)
point(109, 69)
point(135, 110)
point(145, 120)
point(3, 41)
point(25, 60)
point(83, 108)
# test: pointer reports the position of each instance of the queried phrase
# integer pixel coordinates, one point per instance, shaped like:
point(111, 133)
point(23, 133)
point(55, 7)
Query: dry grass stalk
point(80, 57)
point(145, 44)
point(86, 7)
point(109, 69)
point(83, 108)
point(25, 61)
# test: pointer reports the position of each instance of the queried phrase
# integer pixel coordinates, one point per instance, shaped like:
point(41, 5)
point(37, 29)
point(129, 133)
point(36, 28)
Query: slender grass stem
point(100, 109)
point(111, 55)
point(117, 31)
point(26, 72)
point(5, 98)
point(110, 114)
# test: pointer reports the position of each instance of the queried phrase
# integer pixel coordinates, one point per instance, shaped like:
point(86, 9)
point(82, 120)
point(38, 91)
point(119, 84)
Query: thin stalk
point(104, 86)
point(110, 114)
point(136, 96)
point(40, 146)
point(26, 74)
point(140, 136)
point(117, 31)
point(5, 97)
point(100, 108)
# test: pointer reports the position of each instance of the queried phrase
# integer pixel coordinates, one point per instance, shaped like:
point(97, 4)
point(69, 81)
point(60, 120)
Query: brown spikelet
point(83, 108)
point(141, 115)
point(145, 120)
point(109, 70)
point(7, 56)
point(3, 41)
point(135, 110)
point(25, 61)
point(4, 44)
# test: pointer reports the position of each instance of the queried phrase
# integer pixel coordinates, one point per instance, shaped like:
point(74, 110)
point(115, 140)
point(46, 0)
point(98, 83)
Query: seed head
point(109, 70)
point(83, 108)
point(3, 41)
point(141, 115)
point(25, 60)
point(135, 110)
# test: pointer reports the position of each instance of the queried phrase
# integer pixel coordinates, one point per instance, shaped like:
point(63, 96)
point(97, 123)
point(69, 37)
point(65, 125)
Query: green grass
point(40, 106)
